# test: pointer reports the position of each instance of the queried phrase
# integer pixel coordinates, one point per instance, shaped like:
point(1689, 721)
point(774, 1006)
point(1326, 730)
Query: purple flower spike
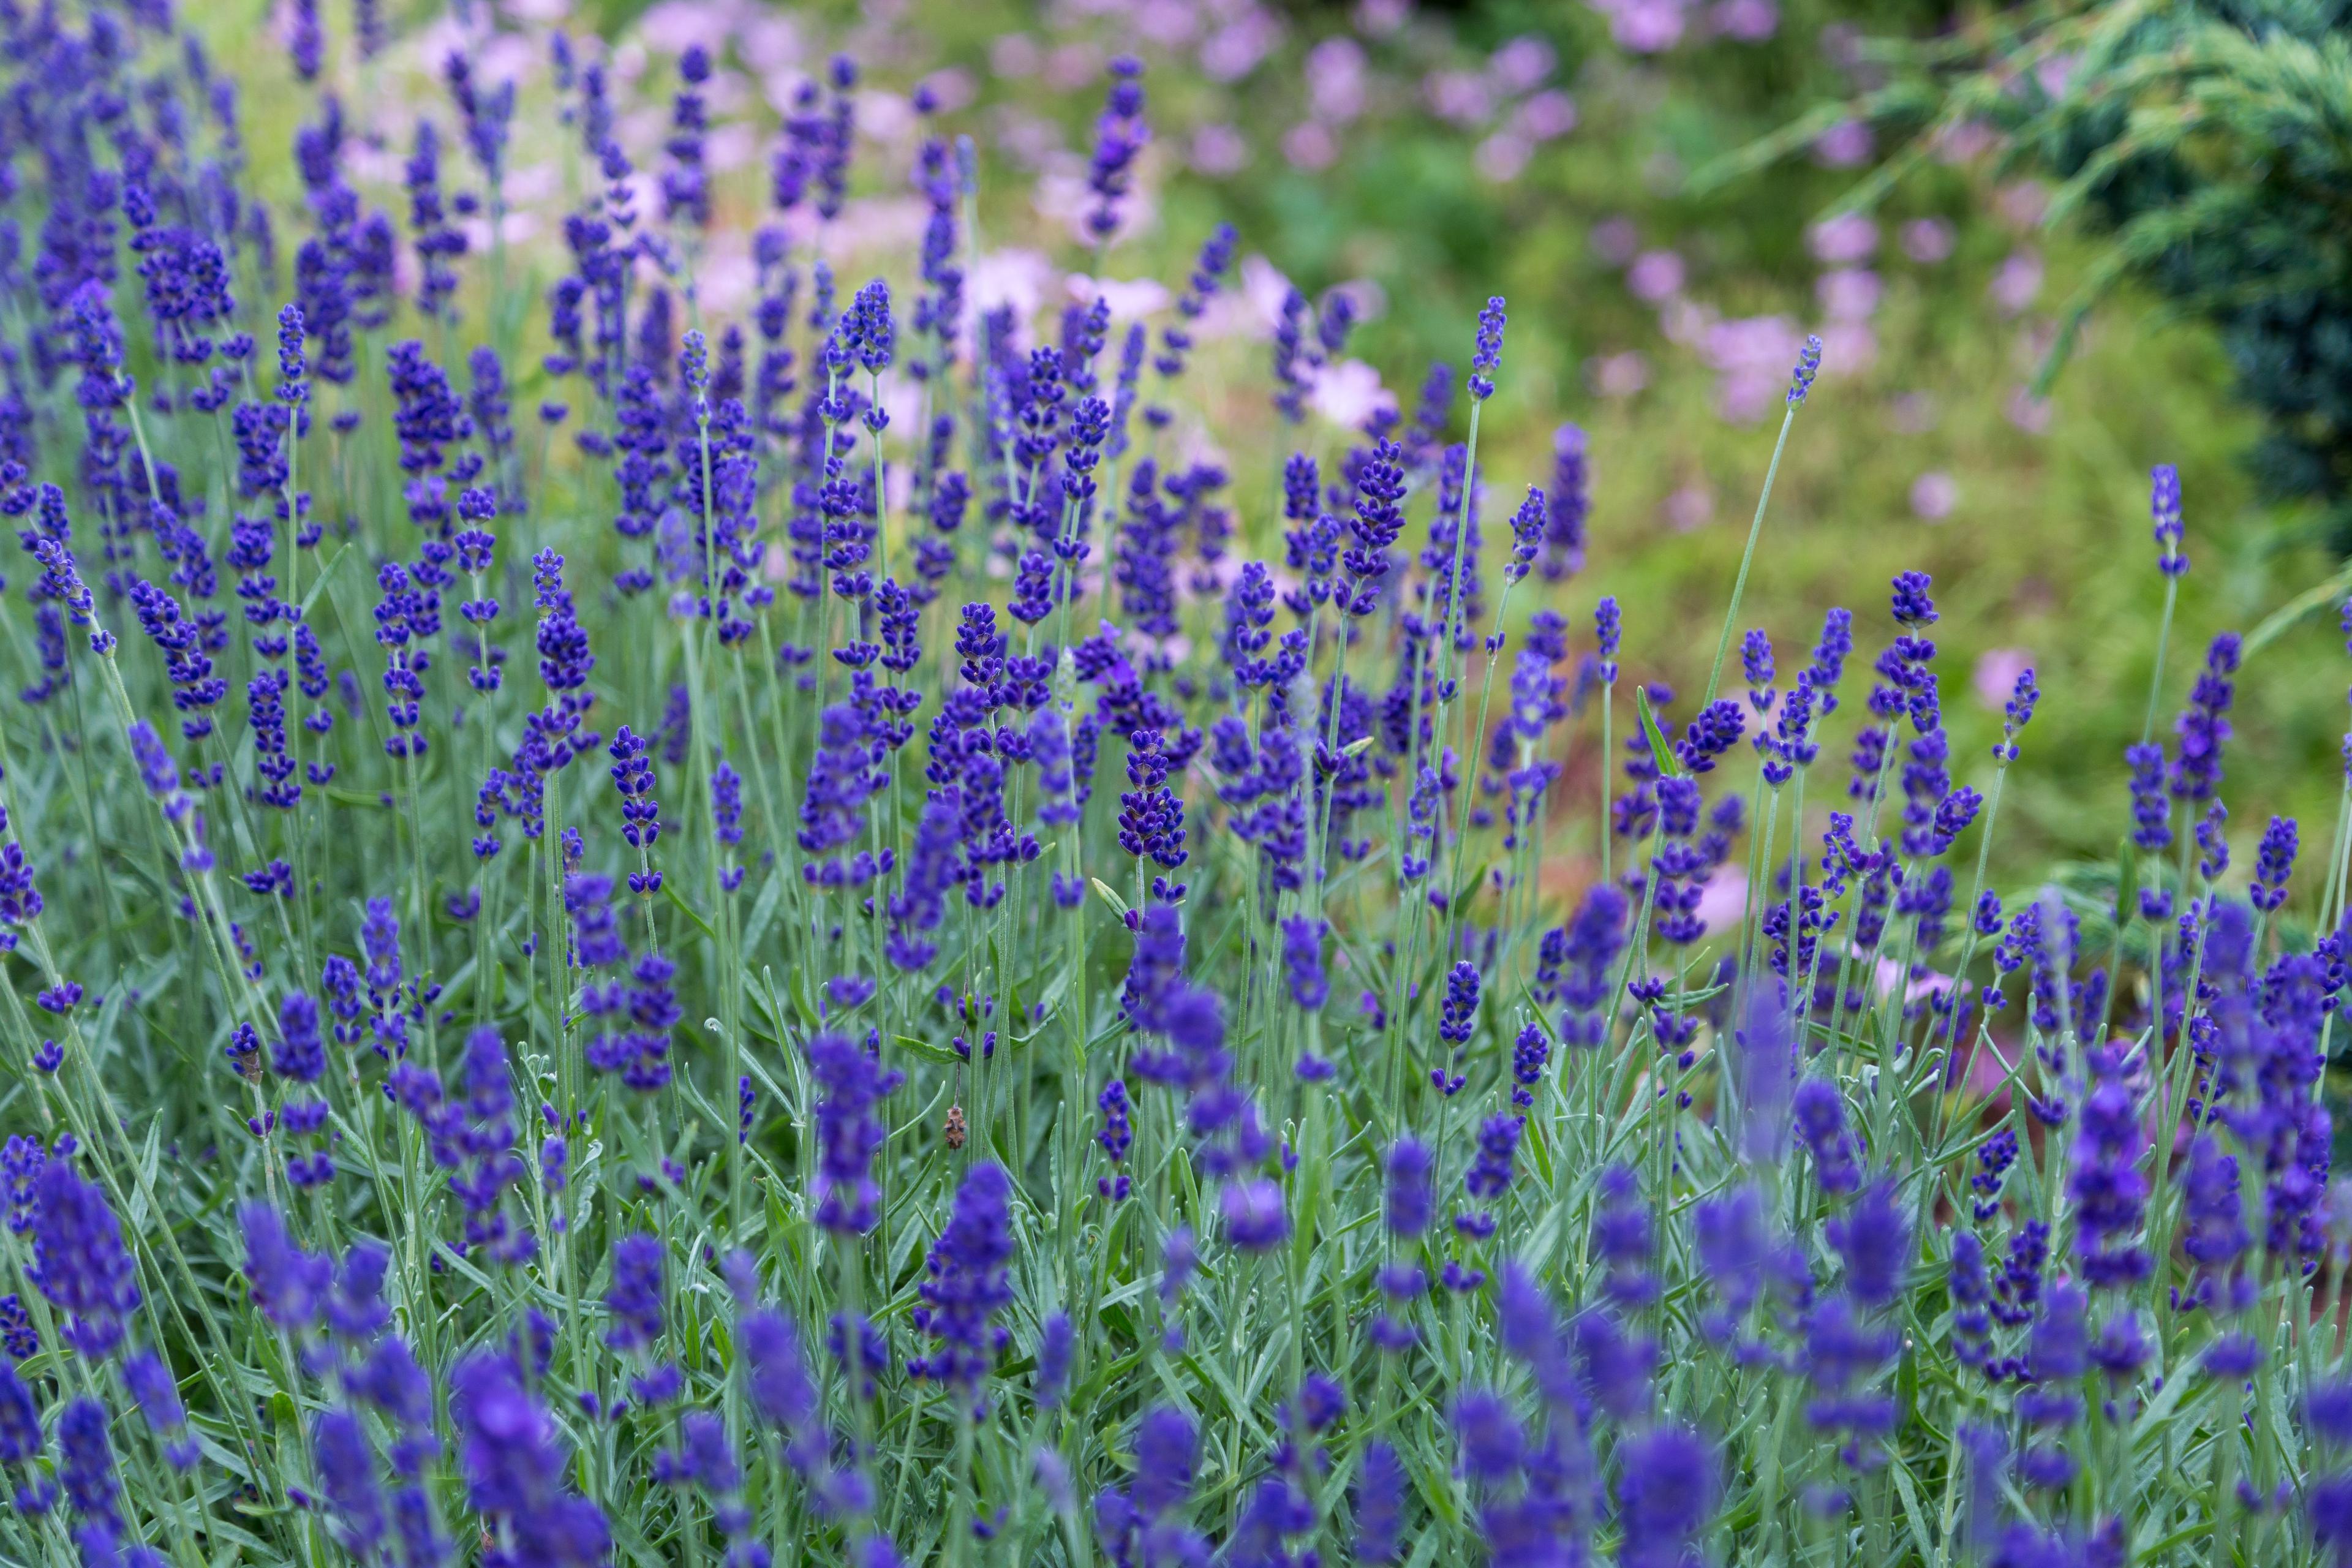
point(2164, 508)
point(1120, 136)
point(1488, 359)
point(1809, 365)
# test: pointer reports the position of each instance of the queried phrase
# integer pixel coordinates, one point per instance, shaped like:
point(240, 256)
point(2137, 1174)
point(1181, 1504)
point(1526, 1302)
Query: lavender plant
point(834, 1121)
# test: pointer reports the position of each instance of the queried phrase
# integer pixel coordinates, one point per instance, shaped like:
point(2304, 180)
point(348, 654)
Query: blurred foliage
point(2211, 146)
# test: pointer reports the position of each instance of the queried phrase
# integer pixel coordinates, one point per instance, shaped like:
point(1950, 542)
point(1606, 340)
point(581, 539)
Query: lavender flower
point(2151, 814)
point(1120, 136)
point(2273, 863)
point(156, 1391)
point(1302, 954)
point(1809, 365)
point(1410, 1195)
point(2016, 714)
point(1665, 1494)
point(967, 1283)
point(289, 1286)
point(1488, 359)
point(2109, 1193)
point(79, 1262)
point(2204, 725)
point(514, 1465)
point(2164, 507)
point(1379, 1504)
point(1821, 1127)
point(1582, 957)
point(1254, 1215)
point(848, 1131)
point(1461, 1013)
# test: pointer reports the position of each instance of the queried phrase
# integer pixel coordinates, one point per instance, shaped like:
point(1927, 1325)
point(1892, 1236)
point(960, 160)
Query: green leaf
point(926, 1049)
point(2127, 878)
point(325, 573)
point(679, 900)
point(764, 911)
point(2279, 622)
point(1667, 764)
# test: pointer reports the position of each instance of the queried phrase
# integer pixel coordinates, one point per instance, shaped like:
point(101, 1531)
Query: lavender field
point(699, 866)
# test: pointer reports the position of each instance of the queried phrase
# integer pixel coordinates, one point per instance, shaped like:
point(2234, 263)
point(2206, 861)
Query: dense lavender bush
point(741, 977)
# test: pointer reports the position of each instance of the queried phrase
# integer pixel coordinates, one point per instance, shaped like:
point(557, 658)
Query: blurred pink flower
point(1501, 157)
point(1686, 321)
point(2052, 73)
point(641, 131)
point(1459, 96)
point(1217, 150)
point(1547, 115)
point(1745, 21)
point(1070, 66)
point(1849, 293)
point(1966, 141)
point(1012, 55)
point(768, 43)
point(1691, 507)
point(1310, 145)
point(1842, 241)
point(529, 184)
point(1933, 496)
point(1233, 50)
point(725, 94)
point(1722, 902)
point(733, 145)
point(1335, 81)
point(1890, 978)
point(2029, 413)
point(1843, 145)
point(1996, 674)
point(1617, 376)
point(1751, 357)
point(726, 281)
point(1912, 413)
point(1011, 277)
point(1167, 23)
point(1644, 27)
point(1263, 288)
point(1030, 141)
point(875, 224)
point(1655, 275)
point(1523, 63)
point(671, 25)
point(515, 228)
point(1348, 393)
point(381, 165)
point(902, 400)
point(2016, 282)
point(1848, 348)
point(1928, 240)
point(1129, 298)
point(1615, 240)
point(1378, 18)
point(2023, 203)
